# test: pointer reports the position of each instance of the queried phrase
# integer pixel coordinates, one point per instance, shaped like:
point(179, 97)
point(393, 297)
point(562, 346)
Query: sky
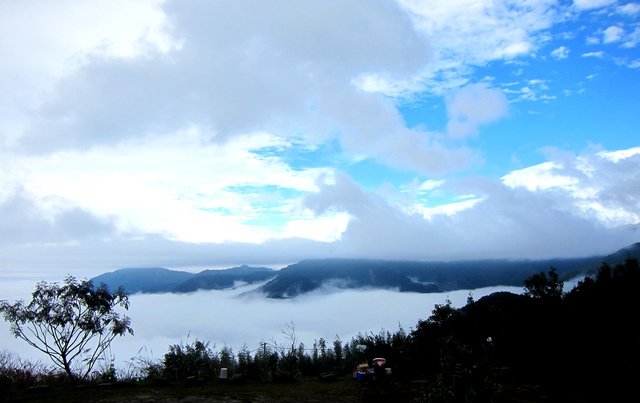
point(213, 133)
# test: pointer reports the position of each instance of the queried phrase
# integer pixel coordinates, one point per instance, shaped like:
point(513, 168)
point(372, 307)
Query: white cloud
point(372, 126)
point(629, 9)
point(531, 96)
point(617, 156)
point(632, 40)
point(176, 186)
point(542, 84)
point(157, 132)
point(44, 42)
point(539, 177)
point(309, 57)
point(430, 184)
point(591, 4)
point(568, 206)
point(472, 106)
point(448, 209)
point(467, 33)
point(25, 221)
point(612, 34)
point(565, 207)
point(599, 54)
point(593, 40)
point(560, 53)
point(634, 64)
point(598, 185)
point(484, 30)
point(326, 228)
point(536, 90)
point(296, 46)
point(253, 319)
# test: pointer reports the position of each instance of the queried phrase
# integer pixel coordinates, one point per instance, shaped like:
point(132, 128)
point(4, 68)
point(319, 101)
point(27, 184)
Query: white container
point(223, 373)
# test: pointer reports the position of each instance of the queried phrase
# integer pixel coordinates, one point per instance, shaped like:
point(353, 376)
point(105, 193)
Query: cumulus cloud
point(600, 186)
point(484, 30)
point(599, 54)
point(629, 9)
point(472, 106)
point(239, 66)
point(291, 71)
point(179, 186)
point(632, 40)
point(535, 90)
point(28, 221)
point(44, 42)
point(569, 206)
point(560, 53)
point(592, 4)
point(566, 207)
point(612, 34)
point(161, 133)
point(635, 64)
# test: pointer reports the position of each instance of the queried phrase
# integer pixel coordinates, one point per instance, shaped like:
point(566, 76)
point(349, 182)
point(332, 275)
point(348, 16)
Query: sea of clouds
point(238, 317)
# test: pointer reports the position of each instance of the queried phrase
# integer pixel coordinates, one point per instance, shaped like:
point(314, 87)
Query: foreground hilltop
point(403, 276)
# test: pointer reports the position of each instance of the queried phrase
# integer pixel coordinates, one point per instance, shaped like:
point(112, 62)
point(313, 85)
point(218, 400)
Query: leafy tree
point(227, 359)
point(337, 349)
point(541, 286)
point(442, 313)
point(73, 323)
point(245, 361)
point(196, 359)
point(265, 361)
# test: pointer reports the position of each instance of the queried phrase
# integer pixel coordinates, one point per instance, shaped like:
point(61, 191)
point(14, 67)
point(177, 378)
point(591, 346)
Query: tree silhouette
point(541, 286)
point(72, 323)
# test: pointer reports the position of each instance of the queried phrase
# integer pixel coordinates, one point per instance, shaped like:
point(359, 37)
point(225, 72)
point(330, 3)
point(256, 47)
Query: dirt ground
point(337, 391)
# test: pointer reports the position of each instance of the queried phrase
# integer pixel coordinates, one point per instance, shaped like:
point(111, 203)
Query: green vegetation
point(543, 345)
point(73, 323)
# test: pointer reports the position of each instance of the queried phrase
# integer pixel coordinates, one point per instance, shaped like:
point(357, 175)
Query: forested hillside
point(403, 276)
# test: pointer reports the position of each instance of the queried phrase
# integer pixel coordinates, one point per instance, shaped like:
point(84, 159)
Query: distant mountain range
point(404, 276)
point(158, 280)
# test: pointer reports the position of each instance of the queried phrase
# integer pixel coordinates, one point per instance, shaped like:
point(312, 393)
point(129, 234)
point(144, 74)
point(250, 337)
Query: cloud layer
point(169, 133)
point(225, 318)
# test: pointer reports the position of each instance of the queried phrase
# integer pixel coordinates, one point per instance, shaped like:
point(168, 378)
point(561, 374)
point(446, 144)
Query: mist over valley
point(344, 274)
point(240, 308)
point(239, 316)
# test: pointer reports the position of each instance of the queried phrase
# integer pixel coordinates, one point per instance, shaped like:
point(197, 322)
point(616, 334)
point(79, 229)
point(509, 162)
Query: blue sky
point(192, 133)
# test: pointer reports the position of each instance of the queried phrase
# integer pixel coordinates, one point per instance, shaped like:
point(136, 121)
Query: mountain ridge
point(402, 275)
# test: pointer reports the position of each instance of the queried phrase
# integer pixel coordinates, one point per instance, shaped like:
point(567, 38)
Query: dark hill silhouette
point(411, 276)
point(149, 280)
point(578, 347)
point(222, 279)
point(159, 280)
point(404, 276)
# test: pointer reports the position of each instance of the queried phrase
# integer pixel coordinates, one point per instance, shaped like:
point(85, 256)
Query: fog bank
point(236, 317)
